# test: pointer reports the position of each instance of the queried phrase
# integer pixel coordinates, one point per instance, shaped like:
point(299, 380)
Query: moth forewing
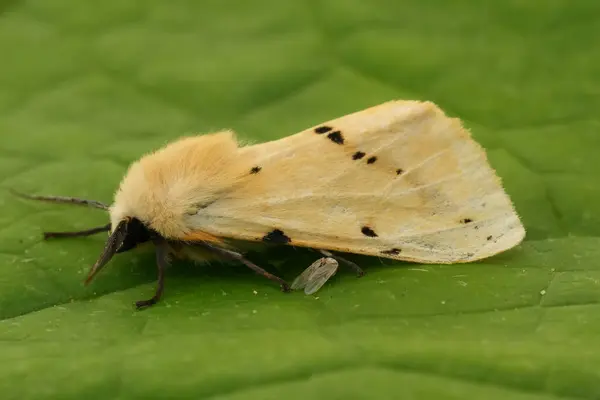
point(316, 275)
point(400, 180)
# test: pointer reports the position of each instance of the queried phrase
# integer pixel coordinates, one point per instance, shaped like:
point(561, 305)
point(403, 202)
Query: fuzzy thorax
point(177, 180)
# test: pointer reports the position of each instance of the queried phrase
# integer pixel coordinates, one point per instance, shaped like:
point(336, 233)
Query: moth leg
point(359, 271)
point(85, 232)
point(232, 255)
point(63, 200)
point(162, 261)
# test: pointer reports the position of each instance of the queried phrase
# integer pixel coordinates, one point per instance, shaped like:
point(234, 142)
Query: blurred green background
point(87, 87)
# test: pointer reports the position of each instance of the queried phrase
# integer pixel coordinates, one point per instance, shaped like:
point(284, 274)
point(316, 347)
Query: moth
point(399, 180)
point(315, 276)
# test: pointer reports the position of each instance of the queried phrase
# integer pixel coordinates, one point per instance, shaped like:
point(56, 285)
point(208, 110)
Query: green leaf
point(87, 87)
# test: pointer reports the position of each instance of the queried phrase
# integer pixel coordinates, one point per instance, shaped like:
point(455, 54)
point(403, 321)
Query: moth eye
point(336, 137)
point(368, 231)
point(322, 129)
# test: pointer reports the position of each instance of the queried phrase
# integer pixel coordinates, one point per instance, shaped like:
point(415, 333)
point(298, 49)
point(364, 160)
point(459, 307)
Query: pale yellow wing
point(399, 180)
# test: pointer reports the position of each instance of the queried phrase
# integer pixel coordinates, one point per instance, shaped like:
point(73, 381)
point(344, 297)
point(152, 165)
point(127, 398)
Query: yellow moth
point(399, 180)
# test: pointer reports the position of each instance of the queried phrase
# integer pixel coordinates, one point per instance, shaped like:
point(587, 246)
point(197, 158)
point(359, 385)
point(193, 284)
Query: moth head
point(125, 235)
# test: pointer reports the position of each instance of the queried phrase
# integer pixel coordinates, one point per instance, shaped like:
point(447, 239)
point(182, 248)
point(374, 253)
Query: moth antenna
point(86, 232)
point(63, 200)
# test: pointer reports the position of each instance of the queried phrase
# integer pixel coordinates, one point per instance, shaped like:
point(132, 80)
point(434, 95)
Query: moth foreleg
point(162, 261)
point(359, 271)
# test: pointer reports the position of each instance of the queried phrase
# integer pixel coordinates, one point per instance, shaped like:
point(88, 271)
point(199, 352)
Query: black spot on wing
point(368, 231)
point(371, 160)
point(399, 171)
point(489, 237)
point(391, 252)
point(276, 236)
point(358, 155)
point(255, 170)
point(323, 129)
point(466, 220)
point(336, 137)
